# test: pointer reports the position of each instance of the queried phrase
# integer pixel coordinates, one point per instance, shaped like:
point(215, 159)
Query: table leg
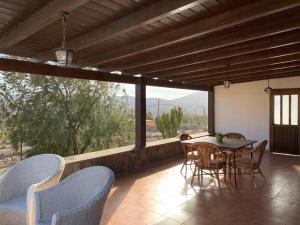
point(234, 170)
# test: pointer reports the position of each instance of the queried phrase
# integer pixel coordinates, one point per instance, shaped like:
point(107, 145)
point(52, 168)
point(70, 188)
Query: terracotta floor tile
point(161, 196)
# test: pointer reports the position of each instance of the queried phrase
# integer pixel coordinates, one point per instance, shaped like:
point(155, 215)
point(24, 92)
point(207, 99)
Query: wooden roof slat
point(225, 20)
point(290, 61)
point(209, 43)
point(295, 71)
point(225, 52)
point(255, 59)
point(39, 20)
point(143, 16)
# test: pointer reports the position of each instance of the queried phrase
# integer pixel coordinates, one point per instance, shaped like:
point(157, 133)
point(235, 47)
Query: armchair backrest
point(34, 170)
point(184, 137)
point(84, 193)
point(205, 152)
point(235, 136)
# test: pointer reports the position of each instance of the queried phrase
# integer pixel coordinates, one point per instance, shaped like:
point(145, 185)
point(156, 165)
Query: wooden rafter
point(248, 33)
point(39, 20)
point(286, 57)
point(262, 76)
point(196, 29)
point(140, 17)
point(235, 52)
point(249, 71)
point(251, 59)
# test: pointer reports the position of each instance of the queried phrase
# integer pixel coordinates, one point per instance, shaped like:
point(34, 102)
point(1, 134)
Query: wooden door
point(284, 121)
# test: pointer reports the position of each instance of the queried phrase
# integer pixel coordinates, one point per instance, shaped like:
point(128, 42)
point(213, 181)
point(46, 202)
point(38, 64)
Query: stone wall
point(126, 159)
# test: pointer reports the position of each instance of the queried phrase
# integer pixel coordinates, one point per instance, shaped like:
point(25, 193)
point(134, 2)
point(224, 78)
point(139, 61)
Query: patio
point(244, 54)
point(162, 196)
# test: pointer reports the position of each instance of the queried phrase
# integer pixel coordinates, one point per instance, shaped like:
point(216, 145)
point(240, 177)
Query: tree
point(64, 116)
point(169, 123)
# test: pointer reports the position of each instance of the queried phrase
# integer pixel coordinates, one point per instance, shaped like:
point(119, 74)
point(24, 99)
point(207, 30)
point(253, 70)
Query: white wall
point(244, 107)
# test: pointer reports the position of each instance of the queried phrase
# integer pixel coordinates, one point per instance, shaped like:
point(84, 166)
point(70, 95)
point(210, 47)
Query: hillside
point(194, 103)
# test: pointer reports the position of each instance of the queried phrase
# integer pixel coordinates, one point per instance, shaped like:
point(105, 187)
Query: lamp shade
point(268, 90)
point(227, 83)
point(64, 56)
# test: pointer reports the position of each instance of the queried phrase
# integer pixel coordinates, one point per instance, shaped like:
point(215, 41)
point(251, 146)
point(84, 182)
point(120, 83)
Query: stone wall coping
point(112, 151)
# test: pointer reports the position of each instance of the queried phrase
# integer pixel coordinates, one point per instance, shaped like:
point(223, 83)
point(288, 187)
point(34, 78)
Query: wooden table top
point(228, 143)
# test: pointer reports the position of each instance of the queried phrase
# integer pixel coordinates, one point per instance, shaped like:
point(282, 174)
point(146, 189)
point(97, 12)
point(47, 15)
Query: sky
point(157, 92)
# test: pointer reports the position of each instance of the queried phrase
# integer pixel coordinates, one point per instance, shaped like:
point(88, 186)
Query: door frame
point(282, 91)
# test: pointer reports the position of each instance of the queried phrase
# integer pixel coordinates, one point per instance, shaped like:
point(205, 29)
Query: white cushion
point(13, 212)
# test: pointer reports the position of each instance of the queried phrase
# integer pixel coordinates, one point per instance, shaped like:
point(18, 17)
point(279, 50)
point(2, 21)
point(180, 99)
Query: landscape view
point(41, 114)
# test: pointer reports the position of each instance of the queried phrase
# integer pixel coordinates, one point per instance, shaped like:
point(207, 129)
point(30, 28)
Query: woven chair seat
point(191, 155)
point(245, 163)
point(214, 164)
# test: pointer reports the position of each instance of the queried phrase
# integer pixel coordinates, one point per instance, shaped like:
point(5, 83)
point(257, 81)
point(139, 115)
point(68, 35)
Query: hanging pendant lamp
point(268, 89)
point(64, 55)
point(227, 83)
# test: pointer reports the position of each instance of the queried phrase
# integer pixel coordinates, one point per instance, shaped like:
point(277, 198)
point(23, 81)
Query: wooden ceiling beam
point(237, 52)
point(235, 68)
point(196, 29)
point(124, 24)
point(247, 33)
point(252, 72)
point(12, 65)
point(285, 74)
point(39, 20)
point(270, 55)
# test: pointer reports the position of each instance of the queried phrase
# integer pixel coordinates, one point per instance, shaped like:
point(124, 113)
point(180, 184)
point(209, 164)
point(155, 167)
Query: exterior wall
point(245, 107)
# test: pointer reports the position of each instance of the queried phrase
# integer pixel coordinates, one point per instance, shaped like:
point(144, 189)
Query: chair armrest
point(7, 183)
point(49, 182)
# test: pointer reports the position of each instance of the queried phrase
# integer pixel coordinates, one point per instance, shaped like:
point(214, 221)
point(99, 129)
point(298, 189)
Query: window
point(277, 109)
point(294, 109)
point(41, 114)
point(189, 109)
point(286, 109)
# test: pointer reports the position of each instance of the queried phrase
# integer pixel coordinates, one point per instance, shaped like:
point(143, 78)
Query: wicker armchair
point(189, 155)
point(204, 161)
point(30, 175)
point(251, 165)
point(77, 200)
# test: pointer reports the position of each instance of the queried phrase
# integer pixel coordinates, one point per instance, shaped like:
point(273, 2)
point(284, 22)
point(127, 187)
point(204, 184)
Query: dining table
point(227, 144)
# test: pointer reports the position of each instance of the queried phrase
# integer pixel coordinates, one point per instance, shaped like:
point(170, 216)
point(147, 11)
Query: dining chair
point(251, 165)
point(233, 135)
point(30, 175)
point(205, 160)
point(189, 155)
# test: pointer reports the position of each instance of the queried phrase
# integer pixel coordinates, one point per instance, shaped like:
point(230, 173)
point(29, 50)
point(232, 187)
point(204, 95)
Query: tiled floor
point(162, 196)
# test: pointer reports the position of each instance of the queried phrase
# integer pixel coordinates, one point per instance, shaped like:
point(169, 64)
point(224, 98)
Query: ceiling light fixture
point(227, 83)
point(268, 89)
point(64, 55)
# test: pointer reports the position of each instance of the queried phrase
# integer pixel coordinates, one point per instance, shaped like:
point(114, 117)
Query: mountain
point(195, 103)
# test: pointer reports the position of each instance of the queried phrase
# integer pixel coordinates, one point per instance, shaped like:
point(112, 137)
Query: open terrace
point(242, 168)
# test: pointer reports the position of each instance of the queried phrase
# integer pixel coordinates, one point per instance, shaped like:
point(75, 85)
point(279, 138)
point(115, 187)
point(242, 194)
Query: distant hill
point(195, 103)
